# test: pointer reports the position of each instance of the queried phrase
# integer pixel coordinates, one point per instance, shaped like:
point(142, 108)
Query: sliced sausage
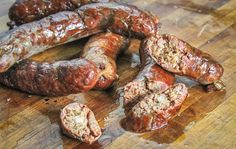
point(79, 122)
point(155, 109)
point(178, 57)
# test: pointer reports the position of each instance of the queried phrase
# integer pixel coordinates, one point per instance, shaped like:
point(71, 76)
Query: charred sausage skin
point(32, 38)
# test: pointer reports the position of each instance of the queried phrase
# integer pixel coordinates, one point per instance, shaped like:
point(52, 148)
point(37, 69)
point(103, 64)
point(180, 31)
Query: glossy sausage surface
point(96, 69)
point(25, 11)
point(177, 56)
point(103, 49)
point(151, 78)
point(53, 79)
point(32, 38)
point(155, 109)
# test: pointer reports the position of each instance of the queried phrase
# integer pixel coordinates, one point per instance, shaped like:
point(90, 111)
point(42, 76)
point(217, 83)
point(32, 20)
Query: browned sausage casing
point(155, 109)
point(29, 39)
point(151, 78)
point(179, 57)
point(102, 49)
point(59, 78)
point(25, 11)
point(96, 69)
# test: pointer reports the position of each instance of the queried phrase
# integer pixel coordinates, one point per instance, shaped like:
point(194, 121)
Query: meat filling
point(79, 122)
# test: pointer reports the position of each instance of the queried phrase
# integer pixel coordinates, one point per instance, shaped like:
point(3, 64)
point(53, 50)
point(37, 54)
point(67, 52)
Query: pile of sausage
point(150, 100)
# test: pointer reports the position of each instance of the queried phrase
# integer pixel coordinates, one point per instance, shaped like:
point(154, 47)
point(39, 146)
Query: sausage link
point(59, 78)
point(124, 19)
point(155, 109)
point(32, 38)
point(96, 69)
point(25, 11)
point(151, 78)
point(103, 49)
point(179, 57)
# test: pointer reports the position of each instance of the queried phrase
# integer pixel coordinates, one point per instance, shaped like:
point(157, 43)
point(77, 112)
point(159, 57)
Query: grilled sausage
point(179, 57)
point(103, 49)
point(29, 39)
point(151, 78)
point(96, 69)
point(59, 78)
point(155, 109)
point(25, 11)
point(79, 122)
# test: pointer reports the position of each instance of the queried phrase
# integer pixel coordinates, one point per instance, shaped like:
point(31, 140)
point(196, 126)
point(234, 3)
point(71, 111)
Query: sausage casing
point(95, 70)
point(25, 11)
point(103, 49)
point(58, 78)
point(179, 57)
point(151, 78)
point(155, 109)
point(32, 38)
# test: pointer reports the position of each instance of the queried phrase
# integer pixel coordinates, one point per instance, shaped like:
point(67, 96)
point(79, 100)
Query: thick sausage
point(29, 39)
point(179, 57)
point(59, 78)
point(151, 78)
point(25, 11)
point(79, 122)
point(96, 69)
point(103, 49)
point(155, 109)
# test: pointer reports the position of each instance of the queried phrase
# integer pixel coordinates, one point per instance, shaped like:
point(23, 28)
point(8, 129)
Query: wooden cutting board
point(206, 120)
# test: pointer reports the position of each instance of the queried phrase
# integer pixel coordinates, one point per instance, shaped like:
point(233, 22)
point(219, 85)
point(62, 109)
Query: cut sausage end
point(154, 110)
point(177, 56)
point(79, 122)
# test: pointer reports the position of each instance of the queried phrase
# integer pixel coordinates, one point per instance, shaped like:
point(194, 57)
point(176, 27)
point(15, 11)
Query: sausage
point(55, 79)
point(32, 38)
point(79, 122)
point(151, 78)
point(34, 72)
point(25, 11)
point(102, 49)
point(155, 109)
point(178, 57)
point(96, 69)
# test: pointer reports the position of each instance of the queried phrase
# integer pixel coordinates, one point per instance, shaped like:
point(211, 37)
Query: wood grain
point(206, 120)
